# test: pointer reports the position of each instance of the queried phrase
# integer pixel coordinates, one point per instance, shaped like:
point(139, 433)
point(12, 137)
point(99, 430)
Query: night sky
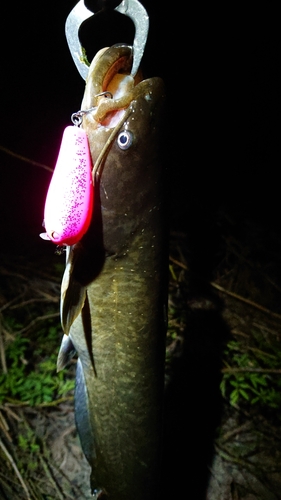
point(221, 71)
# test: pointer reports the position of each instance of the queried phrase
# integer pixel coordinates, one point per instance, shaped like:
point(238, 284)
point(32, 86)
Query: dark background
point(221, 68)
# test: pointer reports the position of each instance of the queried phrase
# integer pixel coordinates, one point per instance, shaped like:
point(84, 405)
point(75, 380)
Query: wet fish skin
point(114, 298)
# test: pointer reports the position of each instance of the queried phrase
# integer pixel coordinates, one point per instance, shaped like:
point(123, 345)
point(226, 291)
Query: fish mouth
point(110, 84)
point(108, 62)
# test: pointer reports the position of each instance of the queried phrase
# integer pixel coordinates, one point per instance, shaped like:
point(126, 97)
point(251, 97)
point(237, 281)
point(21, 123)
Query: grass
point(30, 337)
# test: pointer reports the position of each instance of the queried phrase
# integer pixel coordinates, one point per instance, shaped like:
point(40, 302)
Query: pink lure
point(69, 202)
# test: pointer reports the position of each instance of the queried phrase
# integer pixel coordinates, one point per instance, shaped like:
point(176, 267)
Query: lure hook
point(130, 8)
point(77, 117)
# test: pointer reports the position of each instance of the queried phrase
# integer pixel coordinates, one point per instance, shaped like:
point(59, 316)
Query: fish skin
point(114, 294)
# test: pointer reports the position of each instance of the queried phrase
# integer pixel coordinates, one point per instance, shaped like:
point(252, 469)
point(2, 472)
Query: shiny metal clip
point(131, 8)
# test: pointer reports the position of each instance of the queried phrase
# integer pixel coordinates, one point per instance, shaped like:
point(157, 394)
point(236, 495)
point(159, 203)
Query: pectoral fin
point(66, 352)
point(73, 293)
point(82, 415)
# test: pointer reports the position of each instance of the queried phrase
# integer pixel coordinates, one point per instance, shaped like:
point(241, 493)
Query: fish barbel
point(114, 289)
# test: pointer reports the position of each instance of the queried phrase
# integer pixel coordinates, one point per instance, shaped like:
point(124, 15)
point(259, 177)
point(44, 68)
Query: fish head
point(123, 131)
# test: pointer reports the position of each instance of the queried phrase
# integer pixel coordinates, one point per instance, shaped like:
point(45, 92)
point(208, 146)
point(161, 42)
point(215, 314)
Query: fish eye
point(125, 139)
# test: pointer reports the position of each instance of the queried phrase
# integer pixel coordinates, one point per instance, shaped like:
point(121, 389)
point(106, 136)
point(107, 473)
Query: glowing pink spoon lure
point(69, 201)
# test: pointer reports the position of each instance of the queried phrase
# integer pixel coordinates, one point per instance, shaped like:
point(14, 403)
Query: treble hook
point(131, 8)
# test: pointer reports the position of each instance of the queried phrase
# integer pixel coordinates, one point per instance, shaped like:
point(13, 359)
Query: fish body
point(114, 290)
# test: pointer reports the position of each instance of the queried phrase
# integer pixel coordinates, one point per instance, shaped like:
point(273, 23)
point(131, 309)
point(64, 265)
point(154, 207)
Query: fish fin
point(66, 352)
point(87, 327)
point(73, 293)
point(82, 415)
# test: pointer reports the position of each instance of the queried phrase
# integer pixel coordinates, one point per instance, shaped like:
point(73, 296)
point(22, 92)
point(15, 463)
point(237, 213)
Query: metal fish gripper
point(80, 13)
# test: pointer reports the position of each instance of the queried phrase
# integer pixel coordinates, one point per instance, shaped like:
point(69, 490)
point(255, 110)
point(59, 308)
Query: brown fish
point(114, 290)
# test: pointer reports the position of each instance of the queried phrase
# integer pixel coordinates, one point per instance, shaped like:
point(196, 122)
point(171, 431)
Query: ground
point(222, 437)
